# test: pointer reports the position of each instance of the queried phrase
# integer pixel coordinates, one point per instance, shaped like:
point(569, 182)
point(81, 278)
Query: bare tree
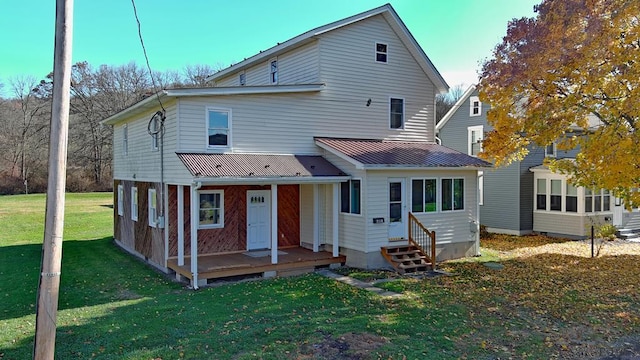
point(444, 103)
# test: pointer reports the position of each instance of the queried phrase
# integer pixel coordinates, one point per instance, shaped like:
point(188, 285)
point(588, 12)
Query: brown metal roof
point(381, 153)
point(260, 166)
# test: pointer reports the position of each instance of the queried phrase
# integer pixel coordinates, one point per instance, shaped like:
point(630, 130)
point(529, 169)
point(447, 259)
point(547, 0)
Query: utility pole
point(49, 284)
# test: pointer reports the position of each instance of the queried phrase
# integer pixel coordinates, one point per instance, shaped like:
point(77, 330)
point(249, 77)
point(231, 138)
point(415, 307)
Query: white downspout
point(194, 233)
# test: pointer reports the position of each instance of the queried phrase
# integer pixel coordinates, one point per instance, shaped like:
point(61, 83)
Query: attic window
point(381, 52)
point(273, 71)
point(475, 106)
point(243, 79)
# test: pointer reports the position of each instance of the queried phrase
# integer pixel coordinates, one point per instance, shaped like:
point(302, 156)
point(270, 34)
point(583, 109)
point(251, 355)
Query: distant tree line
point(96, 93)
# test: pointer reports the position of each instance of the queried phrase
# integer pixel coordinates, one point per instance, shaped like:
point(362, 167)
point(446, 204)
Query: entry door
point(258, 219)
point(397, 213)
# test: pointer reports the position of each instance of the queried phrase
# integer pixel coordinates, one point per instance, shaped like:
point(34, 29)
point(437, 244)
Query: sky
point(457, 35)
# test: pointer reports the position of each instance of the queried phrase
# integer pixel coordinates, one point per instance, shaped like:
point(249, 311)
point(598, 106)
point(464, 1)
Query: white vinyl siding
point(125, 139)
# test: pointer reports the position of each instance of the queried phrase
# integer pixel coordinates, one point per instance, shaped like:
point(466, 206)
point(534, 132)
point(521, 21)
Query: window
point(125, 139)
point(480, 187)
point(452, 194)
point(571, 199)
point(597, 200)
point(120, 200)
point(475, 106)
point(556, 195)
point(550, 150)
point(273, 71)
point(153, 208)
point(474, 139)
point(154, 129)
point(211, 211)
point(541, 195)
point(381, 52)
point(218, 127)
point(423, 195)
point(134, 203)
point(243, 79)
point(396, 113)
point(350, 194)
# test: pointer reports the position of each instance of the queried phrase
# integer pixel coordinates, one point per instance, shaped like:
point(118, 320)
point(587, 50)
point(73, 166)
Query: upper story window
point(350, 195)
point(381, 52)
point(273, 71)
point(424, 195)
point(474, 139)
point(396, 113)
point(134, 203)
point(125, 139)
point(452, 194)
point(211, 209)
point(218, 127)
point(243, 79)
point(550, 150)
point(475, 106)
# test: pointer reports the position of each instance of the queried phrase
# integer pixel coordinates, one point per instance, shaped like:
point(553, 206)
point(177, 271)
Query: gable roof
point(455, 107)
point(389, 14)
point(382, 154)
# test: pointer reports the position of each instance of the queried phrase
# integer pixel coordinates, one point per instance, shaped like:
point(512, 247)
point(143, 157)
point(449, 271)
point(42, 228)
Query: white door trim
point(258, 219)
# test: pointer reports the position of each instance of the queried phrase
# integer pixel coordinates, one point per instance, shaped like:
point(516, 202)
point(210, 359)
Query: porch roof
point(260, 166)
point(384, 154)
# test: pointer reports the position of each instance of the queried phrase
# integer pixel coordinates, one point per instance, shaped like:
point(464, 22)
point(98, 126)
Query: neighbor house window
point(571, 199)
point(381, 52)
point(273, 71)
point(243, 79)
point(120, 200)
point(423, 195)
point(474, 139)
point(134, 203)
point(218, 127)
point(125, 139)
point(452, 194)
point(153, 208)
point(350, 195)
point(541, 194)
point(550, 150)
point(597, 200)
point(211, 209)
point(475, 106)
point(556, 195)
point(396, 113)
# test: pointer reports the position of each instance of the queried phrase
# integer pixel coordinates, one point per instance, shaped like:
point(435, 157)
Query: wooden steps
point(406, 258)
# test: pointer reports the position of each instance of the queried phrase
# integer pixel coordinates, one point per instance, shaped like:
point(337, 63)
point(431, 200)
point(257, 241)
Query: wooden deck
point(290, 260)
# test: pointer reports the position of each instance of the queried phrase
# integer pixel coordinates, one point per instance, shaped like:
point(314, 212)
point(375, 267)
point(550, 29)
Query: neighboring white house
point(324, 142)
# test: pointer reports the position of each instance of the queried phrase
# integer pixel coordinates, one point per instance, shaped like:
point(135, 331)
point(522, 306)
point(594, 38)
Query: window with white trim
point(480, 187)
point(125, 139)
point(243, 79)
point(550, 150)
point(571, 198)
point(273, 71)
point(211, 209)
point(452, 194)
point(556, 195)
point(597, 200)
point(424, 195)
point(350, 196)
point(153, 208)
point(396, 113)
point(475, 106)
point(134, 203)
point(218, 127)
point(541, 194)
point(475, 134)
point(120, 200)
point(381, 52)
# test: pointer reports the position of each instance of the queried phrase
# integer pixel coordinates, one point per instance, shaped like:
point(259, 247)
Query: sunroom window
point(423, 195)
point(452, 194)
point(350, 195)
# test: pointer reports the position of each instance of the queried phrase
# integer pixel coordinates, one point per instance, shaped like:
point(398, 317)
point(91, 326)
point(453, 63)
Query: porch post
point(336, 210)
point(316, 218)
point(274, 223)
point(180, 224)
point(194, 235)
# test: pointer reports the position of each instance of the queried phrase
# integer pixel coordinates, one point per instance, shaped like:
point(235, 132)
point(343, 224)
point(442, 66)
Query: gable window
point(475, 106)
point(153, 208)
point(218, 127)
point(396, 113)
point(120, 200)
point(381, 52)
point(273, 71)
point(243, 79)
point(350, 195)
point(125, 139)
point(571, 199)
point(211, 209)
point(541, 194)
point(474, 139)
point(556, 195)
point(452, 194)
point(134, 203)
point(550, 150)
point(423, 195)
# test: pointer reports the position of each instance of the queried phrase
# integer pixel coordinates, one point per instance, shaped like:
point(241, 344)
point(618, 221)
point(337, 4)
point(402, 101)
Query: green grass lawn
point(114, 307)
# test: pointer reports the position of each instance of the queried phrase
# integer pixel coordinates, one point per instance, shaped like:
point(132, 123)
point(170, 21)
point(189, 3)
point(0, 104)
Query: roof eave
point(284, 180)
point(423, 167)
point(142, 105)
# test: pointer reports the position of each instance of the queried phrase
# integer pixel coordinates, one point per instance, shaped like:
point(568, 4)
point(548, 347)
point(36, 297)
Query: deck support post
point(274, 223)
point(336, 211)
point(180, 224)
point(316, 218)
point(194, 235)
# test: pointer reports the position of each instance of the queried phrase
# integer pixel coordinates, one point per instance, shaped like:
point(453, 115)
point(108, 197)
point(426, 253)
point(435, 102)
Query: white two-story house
point(312, 152)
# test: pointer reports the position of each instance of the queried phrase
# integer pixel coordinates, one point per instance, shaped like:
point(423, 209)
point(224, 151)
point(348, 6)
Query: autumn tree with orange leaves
point(555, 76)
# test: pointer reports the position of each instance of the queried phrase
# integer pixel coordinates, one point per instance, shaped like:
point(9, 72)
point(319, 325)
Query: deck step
point(406, 258)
